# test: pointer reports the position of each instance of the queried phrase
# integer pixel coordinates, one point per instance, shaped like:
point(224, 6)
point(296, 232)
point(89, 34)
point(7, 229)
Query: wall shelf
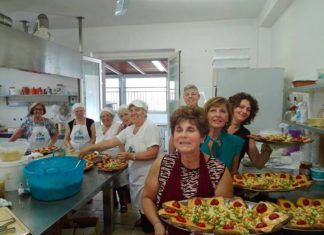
point(310, 88)
point(26, 100)
point(307, 127)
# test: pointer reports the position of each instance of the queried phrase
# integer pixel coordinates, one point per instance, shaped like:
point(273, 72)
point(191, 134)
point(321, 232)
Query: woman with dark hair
point(245, 107)
point(219, 143)
point(168, 176)
point(39, 131)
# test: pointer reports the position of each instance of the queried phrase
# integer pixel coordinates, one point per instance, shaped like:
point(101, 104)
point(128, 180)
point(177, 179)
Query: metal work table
point(38, 215)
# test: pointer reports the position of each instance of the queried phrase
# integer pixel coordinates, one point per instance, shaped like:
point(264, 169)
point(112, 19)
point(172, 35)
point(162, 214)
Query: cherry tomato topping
point(214, 202)
point(228, 226)
point(301, 222)
point(316, 203)
point(170, 210)
point(287, 205)
point(261, 225)
point(261, 208)
point(237, 204)
point(202, 225)
point(306, 202)
point(197, 201)
point(181, 219)
point(273, 216)
point(176, 204)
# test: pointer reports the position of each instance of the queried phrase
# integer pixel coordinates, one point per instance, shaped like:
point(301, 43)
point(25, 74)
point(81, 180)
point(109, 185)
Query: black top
point(243, 132)
point(89, 122)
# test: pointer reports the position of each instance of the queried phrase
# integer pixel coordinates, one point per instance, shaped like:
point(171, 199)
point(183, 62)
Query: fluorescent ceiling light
point(159, 66)
point(121, 7)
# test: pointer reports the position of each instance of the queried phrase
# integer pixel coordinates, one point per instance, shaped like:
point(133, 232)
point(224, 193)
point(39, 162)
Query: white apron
point(122, 179)
point(39, 137)
point(79, 136)
point(147, 135)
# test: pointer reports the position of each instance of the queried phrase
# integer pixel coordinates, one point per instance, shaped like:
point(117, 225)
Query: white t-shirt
point(147, 136)
point(107, 136)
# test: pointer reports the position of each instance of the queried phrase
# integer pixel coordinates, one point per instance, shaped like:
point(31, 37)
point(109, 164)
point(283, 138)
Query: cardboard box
point(81, 226)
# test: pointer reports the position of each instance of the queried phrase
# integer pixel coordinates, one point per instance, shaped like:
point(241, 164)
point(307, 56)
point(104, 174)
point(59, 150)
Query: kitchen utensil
point(54, 178)
point(5, 20)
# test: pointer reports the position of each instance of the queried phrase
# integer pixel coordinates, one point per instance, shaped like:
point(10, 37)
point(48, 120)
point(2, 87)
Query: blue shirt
point(230, 147)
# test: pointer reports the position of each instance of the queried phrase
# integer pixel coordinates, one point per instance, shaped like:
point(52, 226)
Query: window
point(153, 90)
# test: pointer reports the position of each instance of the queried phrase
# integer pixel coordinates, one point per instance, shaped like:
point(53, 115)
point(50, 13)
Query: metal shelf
point(305, 126)
point(310, 88)
point(26, 100)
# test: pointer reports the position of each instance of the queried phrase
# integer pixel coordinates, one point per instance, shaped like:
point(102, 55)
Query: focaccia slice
point(276, 218)
point(304, 202)
point(168, 212)
point(196, 201)
point(263, 209)
point(215, 201)
point(299, 224)
point(174, 205)
point(228, 229)
point(200, 227)
point(318, 202)
point(285, 204)
point(238, 202)
point(262, 227)
point(180, 221)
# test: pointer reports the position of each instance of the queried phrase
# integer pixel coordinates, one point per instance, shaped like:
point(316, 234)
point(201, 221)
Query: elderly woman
point(81, 131)
point(107, 131)
point(123, 114)
point(39, 131)
point(245, 107)
point(191, 97)
point(219, 143)
point(168, 177)
point(142, 142)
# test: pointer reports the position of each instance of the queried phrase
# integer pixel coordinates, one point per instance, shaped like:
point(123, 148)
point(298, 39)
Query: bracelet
point(134, 157)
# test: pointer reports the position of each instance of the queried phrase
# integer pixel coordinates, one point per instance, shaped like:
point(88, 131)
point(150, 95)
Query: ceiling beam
point(136, 67)
point(112, 69)
point(272, 11)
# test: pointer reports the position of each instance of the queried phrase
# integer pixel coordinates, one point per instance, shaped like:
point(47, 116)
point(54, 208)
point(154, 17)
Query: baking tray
point(185, 202)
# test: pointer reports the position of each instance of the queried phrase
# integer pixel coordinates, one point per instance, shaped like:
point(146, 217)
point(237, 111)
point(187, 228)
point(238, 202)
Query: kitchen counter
point(38, 215)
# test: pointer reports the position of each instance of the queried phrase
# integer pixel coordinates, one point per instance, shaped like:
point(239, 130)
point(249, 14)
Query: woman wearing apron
point(142, 143)
point(108, 130)
point(168, 177)
point(81, 131)
point(39, 131)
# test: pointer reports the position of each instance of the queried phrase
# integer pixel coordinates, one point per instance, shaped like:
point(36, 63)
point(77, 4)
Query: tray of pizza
point(280, 140)
point(46, 150)
point(111, 165)
point(217, 215)
point(88, 166)
point(307, 215)
point(270, 181)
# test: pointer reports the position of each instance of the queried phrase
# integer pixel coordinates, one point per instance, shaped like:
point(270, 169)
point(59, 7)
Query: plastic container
point(317, 174)
point(12, 173)
point(13, 151)
point(54, 178)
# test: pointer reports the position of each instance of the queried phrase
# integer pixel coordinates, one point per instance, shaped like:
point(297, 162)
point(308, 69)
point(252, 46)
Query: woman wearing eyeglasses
point(38, 130)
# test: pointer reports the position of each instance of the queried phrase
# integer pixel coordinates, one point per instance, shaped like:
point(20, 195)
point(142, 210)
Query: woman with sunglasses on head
point(39, 131)
point(219, 143)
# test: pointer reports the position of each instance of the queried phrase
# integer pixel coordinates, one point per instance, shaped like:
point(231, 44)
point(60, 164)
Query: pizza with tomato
point(223, 216)
point(111, 165)
point(46, 150)
point(269, 181)
point(306, 213)
point(280, 139)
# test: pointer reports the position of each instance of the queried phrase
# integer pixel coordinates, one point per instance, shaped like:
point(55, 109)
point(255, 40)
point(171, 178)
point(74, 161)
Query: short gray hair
point(190, 86)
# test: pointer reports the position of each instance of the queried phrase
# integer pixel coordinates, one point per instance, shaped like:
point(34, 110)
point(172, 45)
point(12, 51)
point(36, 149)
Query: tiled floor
point(123, 223)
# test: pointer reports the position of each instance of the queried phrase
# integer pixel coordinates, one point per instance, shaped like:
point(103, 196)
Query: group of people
point(206, 146)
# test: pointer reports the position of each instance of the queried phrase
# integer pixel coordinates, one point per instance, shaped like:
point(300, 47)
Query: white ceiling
point(62, 13)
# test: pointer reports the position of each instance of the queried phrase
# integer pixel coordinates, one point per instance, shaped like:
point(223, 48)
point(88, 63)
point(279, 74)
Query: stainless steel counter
point(38, 216)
